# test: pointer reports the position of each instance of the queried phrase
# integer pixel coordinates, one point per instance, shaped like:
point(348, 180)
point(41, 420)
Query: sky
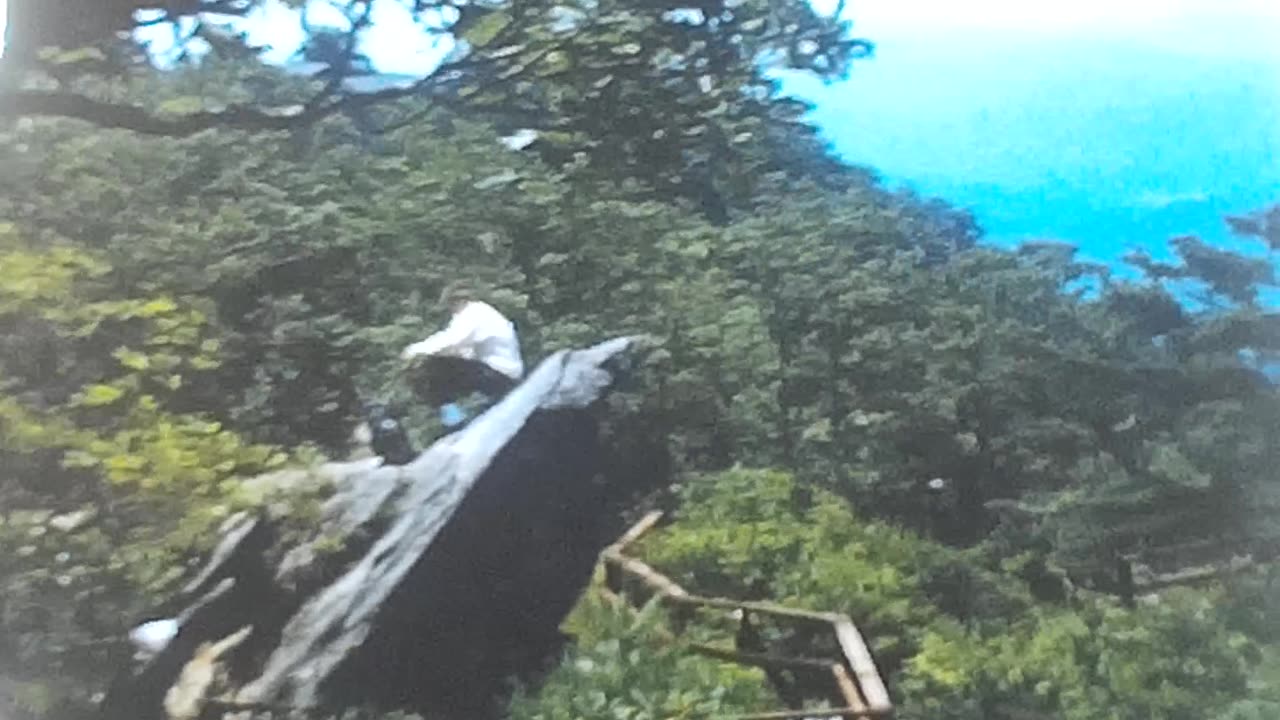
point(1113, 124)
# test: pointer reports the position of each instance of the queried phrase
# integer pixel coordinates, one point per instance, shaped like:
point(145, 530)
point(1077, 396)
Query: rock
point(425, 586)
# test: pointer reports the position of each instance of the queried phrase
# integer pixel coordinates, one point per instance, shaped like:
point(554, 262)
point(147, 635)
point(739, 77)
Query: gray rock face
point(422, 586)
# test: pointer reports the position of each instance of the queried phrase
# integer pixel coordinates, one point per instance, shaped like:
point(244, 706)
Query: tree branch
point(52, 103)
point(36, 103)
point(339, 73)
point(415, 116)
point(327, 101)
point(160, 20)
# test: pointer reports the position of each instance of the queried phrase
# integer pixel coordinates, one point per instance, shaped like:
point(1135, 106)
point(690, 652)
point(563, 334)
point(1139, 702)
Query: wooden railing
point(853, 680)
point(1196, 563)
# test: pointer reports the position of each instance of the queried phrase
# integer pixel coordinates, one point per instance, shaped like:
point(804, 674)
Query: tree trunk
point(67, 24)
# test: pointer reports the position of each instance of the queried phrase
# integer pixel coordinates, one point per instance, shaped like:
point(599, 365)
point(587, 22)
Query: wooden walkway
point(854, 688)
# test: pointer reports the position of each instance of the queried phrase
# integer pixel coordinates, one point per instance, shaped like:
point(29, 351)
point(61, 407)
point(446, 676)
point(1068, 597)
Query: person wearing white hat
point(478, 352)
point(150, 638)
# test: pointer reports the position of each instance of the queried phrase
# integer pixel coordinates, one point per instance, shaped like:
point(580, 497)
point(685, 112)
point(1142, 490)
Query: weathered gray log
point(423, 586)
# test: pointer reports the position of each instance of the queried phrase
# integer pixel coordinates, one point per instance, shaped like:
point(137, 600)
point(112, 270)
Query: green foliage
point(1173, 660)
point(760, 535)
point(624, 666)
point(1250, 710)
point(676, 99)
point(955, 431)
point(958, 639)
point(107, 490)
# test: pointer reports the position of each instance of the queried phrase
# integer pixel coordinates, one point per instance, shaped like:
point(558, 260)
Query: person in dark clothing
point(387, 437)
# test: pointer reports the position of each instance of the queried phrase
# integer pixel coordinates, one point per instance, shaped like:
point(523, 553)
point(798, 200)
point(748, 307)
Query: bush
point(624, 666)
point(108, 490)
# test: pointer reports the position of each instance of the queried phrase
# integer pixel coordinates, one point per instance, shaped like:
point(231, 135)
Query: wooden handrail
point(635, 532)
point(761, 660)
point(863, 666)
point(863, 691)
point(848, 690)
point(847, 712)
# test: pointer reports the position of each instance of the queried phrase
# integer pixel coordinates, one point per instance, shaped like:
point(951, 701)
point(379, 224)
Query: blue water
point(1106, 145)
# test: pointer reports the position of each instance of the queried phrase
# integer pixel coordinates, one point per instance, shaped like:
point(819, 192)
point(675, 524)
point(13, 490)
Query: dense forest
point(1041, 488)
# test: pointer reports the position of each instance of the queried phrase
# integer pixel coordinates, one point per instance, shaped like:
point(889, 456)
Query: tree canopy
point(993, 459)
